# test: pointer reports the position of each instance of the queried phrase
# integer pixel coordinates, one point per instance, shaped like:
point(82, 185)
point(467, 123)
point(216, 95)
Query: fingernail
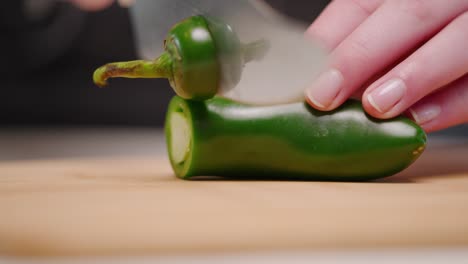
point(325, 88)
point(425, 113)
point(387, 95)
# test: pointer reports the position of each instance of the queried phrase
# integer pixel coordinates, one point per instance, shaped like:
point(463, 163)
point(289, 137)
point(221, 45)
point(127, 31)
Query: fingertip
point(309, 98)
point(427, 115)
point(371, 108)
point(324, 92)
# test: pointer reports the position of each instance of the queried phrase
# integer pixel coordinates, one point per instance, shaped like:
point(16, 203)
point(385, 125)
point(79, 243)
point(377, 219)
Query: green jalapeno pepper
point(219, 137)
point(200, 56)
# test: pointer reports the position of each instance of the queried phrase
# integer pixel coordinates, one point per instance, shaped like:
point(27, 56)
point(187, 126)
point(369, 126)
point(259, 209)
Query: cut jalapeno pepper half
point(220, 137)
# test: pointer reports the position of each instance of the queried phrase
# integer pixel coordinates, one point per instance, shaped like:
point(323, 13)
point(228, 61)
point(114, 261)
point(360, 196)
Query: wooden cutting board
point(134, 205)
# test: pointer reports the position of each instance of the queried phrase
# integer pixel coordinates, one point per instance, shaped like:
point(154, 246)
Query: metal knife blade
point(291, 62)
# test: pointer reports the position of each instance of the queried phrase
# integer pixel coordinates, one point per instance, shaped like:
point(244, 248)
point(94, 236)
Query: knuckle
point(365, 5)
point(421, 10)
point(354, 58)
point(411, 71)
point(361, 50)
point(355, 55)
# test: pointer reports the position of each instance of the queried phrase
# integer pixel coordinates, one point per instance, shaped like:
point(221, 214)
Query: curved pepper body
point(291, 141)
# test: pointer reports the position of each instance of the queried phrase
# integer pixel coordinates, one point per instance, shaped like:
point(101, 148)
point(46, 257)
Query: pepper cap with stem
point(197, 51)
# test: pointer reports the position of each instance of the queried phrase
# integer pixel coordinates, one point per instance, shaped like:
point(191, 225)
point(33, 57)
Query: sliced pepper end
point(180, 136)
point(159, 68)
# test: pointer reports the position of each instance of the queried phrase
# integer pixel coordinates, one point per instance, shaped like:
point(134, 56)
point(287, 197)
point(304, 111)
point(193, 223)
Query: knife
point(291, 63)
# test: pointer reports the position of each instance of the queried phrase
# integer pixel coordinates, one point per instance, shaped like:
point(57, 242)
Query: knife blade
point(291, 63)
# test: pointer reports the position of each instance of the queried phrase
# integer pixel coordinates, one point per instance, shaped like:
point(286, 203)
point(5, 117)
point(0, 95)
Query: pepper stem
point(255, 50)
point(159, 68)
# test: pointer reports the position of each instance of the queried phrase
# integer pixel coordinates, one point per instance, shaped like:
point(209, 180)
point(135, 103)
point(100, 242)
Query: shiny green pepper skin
point(290, 141)
point(195, 70)
point(201, 56)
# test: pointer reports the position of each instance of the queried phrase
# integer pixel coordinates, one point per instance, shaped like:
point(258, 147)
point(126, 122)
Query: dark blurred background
point(49, 50)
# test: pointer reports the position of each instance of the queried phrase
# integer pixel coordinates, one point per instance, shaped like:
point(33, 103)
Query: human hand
point(400, 56)
point(92, 5)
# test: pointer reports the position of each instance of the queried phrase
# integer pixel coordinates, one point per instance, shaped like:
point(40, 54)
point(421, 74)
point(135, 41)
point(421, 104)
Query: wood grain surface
point(134, 205)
